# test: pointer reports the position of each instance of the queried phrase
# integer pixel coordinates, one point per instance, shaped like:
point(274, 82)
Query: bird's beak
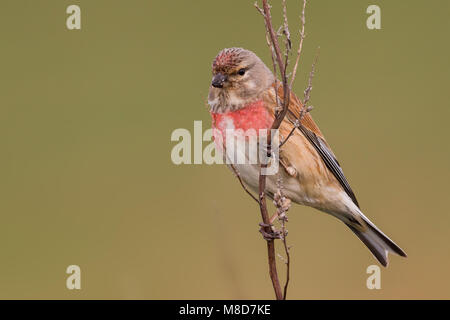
point(218, 80)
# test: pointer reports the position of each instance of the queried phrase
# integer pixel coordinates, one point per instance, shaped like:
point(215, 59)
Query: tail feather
point(377, 242)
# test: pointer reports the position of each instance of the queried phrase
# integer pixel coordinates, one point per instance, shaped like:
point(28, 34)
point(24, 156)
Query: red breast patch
point(252, 116)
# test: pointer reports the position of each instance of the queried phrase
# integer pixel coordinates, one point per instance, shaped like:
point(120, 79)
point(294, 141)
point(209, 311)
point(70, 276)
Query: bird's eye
point(241, 72)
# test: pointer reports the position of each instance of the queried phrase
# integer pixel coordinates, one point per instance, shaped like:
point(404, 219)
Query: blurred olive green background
point(86, 175)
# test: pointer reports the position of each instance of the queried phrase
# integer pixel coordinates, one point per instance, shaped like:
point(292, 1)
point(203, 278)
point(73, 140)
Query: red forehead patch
point(223, 58)
point(227, 59)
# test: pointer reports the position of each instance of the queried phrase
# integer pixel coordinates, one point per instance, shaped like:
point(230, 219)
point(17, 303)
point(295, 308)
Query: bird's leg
point(272, 219)
point(274, 234)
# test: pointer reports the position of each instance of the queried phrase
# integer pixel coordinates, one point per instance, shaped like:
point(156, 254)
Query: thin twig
point(283, 204)
point(236, 171)
point(307, 92)
point(300, 46)
point(306, 97)
point(287, 36)
point(238, 176)
point(296, 125)
point(275, 88)
point(288, 261)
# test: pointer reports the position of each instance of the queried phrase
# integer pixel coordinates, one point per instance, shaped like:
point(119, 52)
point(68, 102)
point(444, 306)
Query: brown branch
point(276, 57)
point(270, 243)
point(279, 116)
point(280, 113)
point(281, 66)
point(272, 55)
point(265, 11)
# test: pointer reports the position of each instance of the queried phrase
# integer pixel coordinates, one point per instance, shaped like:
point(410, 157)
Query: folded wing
point(315, 137)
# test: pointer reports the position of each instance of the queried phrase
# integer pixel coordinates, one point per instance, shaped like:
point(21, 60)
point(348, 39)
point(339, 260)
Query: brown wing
point(315, 137)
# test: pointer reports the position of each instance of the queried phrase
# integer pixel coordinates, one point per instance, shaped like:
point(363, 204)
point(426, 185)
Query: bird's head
point(238, 76)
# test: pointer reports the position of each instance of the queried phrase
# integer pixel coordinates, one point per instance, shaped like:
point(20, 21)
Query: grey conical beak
point(218, 80)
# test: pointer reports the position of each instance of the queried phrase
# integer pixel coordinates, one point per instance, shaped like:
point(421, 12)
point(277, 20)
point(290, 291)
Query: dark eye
point(241, 72)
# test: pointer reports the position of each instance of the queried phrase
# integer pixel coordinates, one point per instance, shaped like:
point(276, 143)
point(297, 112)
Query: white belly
point(249, 171)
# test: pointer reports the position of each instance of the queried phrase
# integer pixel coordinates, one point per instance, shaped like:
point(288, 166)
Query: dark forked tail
point(377, 242)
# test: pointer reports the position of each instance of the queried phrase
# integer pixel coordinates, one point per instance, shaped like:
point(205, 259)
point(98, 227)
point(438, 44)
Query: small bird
point(243, 96)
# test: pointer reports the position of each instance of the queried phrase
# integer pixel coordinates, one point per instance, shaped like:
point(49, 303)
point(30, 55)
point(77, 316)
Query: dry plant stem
point(279, 116)
point(300, 46)
point(288, 256)
point(280, 113)
point(294, 71)
point(288, 260)
point(277, 60)
point(296, 125)
point(282, 210)
point(277, 100)
point(270, 243)
point(238, 176)
point(306, 97)
point(297, 122)
point(262, 178)
point(281, 66)
point(283, 204)
point(307, 92)
point(287, 34)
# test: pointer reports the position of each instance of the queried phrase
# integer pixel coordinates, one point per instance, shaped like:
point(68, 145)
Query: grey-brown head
point(239, 77)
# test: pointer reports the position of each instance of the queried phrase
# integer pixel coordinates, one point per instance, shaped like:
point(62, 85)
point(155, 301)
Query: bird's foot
point(269, 236)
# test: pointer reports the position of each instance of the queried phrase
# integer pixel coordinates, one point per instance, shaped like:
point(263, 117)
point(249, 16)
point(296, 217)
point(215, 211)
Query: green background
point(86, 176)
